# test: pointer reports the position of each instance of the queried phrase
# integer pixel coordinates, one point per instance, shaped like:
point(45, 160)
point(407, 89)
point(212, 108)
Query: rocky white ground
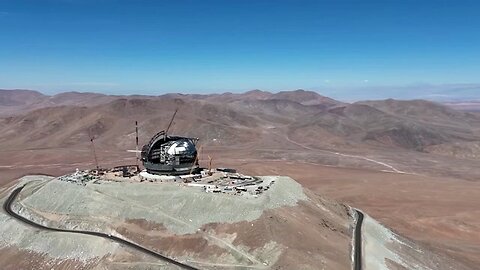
point(180, 209)
point(383, 249)
point(286, 227)
point(59, 247)
point(143, 212)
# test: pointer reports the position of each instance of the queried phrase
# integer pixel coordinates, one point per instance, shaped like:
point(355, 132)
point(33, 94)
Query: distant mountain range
point(21, 101)
point(254, 117)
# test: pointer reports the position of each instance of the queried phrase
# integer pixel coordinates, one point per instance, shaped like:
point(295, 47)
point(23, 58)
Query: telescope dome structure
point(171, 155)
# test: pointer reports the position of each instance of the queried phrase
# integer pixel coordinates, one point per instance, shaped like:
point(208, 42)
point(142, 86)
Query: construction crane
point(93, 148)
point(170, 124)
point(196, 159)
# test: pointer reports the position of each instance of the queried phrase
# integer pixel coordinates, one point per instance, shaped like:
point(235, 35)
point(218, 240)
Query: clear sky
point(214, 46)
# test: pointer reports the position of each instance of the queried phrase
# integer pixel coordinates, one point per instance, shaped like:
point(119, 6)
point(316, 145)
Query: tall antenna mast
point(136, 142)
point(171, 121)
point(94, 153)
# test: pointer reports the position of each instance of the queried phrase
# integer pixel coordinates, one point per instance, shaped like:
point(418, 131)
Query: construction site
point(220, 180)
point(172, 160)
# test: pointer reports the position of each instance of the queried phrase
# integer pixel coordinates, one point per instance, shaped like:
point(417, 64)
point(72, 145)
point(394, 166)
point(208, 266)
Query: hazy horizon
point(442, 93)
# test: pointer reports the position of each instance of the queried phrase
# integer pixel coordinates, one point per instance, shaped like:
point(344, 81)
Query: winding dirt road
point(7, 207)
point(392, 168)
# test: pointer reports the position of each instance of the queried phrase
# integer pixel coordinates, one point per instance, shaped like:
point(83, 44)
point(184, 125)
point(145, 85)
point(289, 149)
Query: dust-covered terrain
point(287, 227)
point(412, 165)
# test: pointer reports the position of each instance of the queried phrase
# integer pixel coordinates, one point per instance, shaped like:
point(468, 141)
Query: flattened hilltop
point(287, 227)
point(206, 230)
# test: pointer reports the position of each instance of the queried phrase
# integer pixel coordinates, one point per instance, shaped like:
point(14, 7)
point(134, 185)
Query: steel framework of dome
point(172, 155)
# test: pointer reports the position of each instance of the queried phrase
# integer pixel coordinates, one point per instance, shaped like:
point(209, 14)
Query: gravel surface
point(375, 239)
point(384, 249)
point(180, 209)
point(55, 245)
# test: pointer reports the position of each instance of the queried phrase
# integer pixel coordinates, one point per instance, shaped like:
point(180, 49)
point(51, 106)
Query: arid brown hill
point(21, 101)
point(235, 119)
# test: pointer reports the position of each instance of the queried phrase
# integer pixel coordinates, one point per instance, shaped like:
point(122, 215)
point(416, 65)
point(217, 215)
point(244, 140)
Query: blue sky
point(204, 46)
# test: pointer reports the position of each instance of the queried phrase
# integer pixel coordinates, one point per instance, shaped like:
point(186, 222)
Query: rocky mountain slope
point(241, 118)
